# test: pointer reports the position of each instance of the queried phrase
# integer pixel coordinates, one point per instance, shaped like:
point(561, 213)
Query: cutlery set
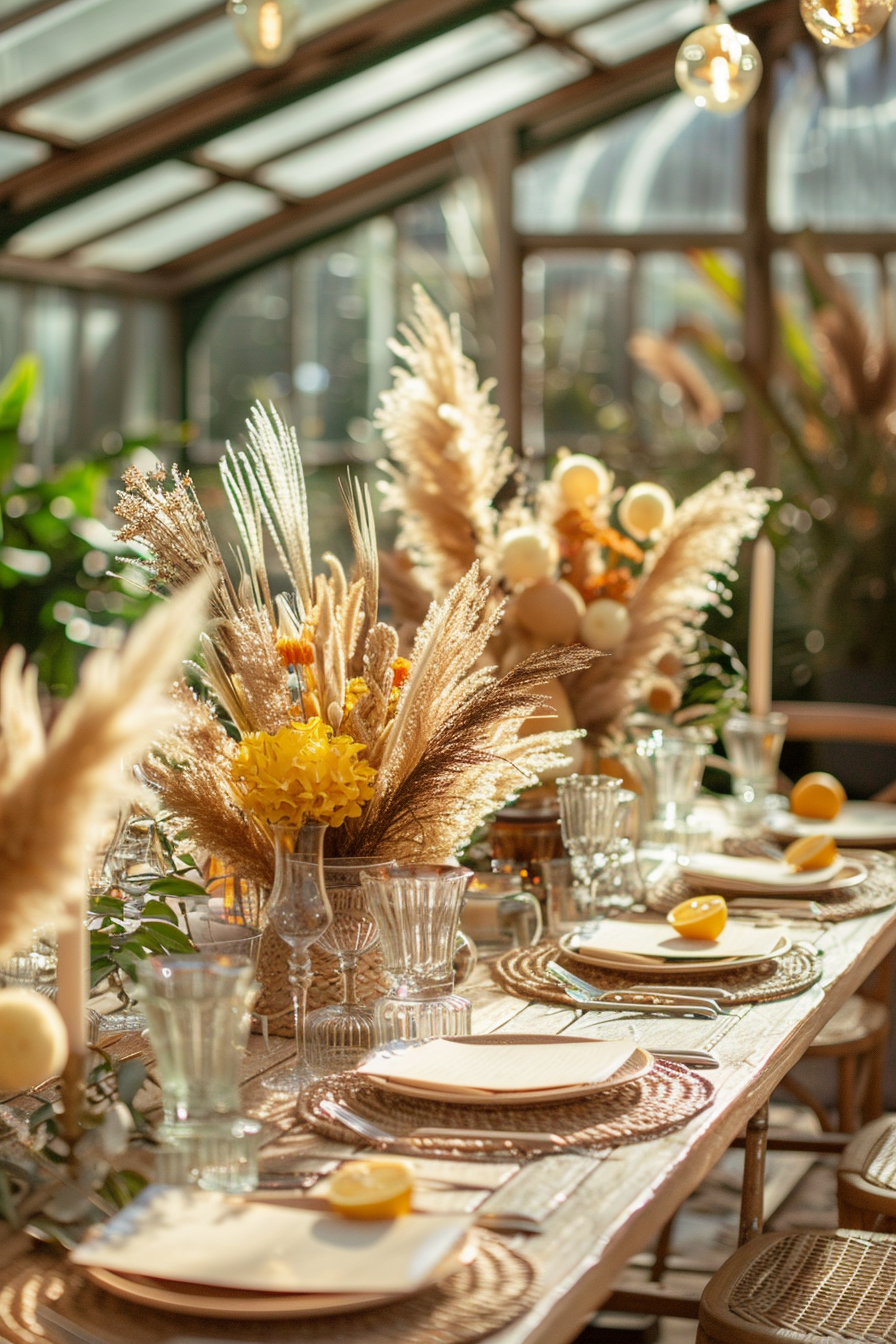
point(706, 1001)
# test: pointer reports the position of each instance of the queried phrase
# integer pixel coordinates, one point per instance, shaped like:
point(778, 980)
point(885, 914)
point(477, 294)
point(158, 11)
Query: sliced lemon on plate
point(700, 917)
point(818, 796)
point(371, 1190)
point(811, 852)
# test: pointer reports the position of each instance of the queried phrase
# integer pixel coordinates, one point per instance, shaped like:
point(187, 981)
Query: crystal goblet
point(340, 1035)
point(299, 909)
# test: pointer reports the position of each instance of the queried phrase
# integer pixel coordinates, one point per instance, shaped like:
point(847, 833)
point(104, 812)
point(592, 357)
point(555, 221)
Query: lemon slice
point(818, 796)
point(371, 1190)
point(700, 917)
point(811, 852)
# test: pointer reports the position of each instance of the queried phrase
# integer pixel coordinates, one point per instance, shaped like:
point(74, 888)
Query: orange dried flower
point(577, 527)
point(295, 652)
point(617, 584)
point(401, 670)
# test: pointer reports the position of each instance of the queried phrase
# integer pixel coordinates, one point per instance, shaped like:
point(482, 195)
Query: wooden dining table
point(599, 1210)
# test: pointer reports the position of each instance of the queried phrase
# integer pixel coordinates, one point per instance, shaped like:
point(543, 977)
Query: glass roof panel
point(640, 28)
point(182, 229)
point(434, 117)
point(62, 38)
point(832, 142)
point(661, 167)
point(402, 77)
point(142, 85)
point(558, 16)
point(111, 209)
point(17, 153)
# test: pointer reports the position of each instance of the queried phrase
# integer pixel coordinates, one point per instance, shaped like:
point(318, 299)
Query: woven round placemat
point(877, 892)
point(659, 1103)
point(522, 972)
point(482, 1297)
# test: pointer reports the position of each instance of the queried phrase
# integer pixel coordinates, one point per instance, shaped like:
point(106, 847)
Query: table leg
point(751, 1203)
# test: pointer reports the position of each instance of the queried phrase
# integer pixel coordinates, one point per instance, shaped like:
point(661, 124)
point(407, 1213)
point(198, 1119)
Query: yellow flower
point(355, 690)
point(401, 670)
point(303, 772)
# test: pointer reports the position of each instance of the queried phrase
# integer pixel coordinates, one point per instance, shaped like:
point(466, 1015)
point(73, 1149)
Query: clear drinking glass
point(753, 743)
point(498, 914)
point(587, 816)
point(567, 902)
point(417, 910)
point(198, 1009)
point(299, 910)
point(339, 1036)
point(622, 879)
point(676, 764)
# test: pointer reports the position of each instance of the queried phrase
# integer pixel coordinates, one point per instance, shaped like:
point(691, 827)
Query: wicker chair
point(804, 1288)
point(866, 1178)
point(857, 1035)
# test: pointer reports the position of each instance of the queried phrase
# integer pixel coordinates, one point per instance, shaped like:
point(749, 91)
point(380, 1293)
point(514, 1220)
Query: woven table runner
point(660, 1102)
point(881, 1168)
point(482, 1297)
point(523, 973)
point(877, 892)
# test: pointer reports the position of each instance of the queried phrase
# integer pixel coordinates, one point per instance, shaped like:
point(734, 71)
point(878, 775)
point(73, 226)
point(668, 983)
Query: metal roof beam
point(326, 58)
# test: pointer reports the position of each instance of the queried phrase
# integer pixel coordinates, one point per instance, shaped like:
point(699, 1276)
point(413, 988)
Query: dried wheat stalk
point(679, 582)
point(57, 787)
point(447, 448)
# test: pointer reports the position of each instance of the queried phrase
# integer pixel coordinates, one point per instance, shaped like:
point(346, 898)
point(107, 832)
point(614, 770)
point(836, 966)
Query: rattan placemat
point(482, 1297)
point(877, 892)
point(522, 972)
point(659, 1103)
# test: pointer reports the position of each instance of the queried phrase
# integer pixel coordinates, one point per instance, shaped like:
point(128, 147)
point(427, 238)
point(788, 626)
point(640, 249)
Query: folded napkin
point(457, 1067)
point(633, 942)
point(197, 1236)
point(760, 872)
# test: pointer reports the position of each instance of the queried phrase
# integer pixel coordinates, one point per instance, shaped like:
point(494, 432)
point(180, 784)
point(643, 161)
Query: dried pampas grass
point(447, 448)
point(56, 787)
point(683, 576)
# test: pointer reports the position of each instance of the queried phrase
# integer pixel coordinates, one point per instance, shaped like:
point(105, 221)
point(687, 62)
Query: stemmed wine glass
point(340, 1035)
point(300, 911)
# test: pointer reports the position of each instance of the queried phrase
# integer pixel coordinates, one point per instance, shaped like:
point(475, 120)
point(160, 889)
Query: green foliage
point(120, 940)
point(56, 597)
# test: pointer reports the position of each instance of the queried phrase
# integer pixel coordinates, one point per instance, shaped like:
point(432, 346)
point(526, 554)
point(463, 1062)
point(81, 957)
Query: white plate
point(673, 967)
point(856, 824)
point(191, 1299)
point(742, 876)
point(641, 1062)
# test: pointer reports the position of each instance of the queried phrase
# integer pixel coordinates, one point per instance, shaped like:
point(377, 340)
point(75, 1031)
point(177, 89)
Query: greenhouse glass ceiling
point(138, 139)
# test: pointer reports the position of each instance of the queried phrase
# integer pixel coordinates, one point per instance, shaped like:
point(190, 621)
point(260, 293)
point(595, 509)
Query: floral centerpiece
point(574, 558)
point(305, 710)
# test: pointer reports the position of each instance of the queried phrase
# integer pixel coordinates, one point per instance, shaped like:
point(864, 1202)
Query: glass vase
point(299, 910)
point(417, 910)
point(340, 1035)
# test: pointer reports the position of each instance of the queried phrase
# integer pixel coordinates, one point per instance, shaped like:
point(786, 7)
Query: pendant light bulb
point(268, 29)
point(845, 23)
point(718, 67)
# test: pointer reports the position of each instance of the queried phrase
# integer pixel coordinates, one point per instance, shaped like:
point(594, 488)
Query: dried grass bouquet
point(307, 712)
point(573, 559)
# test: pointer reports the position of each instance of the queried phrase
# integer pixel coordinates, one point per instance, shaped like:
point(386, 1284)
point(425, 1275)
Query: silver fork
point(673, 1004)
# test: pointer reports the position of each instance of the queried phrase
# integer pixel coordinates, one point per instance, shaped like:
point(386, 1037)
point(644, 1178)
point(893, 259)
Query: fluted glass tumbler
point(587, 817)
point(339, 1036)
point(417, 910)
point(198, 1009)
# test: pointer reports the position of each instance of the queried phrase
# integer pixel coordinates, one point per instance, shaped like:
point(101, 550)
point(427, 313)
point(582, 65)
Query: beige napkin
point(635, 943)
point(453, 1066)
point(197, 1236)
point(759, 872)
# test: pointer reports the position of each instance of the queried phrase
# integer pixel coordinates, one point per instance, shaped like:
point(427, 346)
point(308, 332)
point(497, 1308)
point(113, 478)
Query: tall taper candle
point(762, 619)
point(72, 977)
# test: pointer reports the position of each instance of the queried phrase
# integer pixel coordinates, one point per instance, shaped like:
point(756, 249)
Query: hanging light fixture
point(718, 67)
point(845, 23)
point(268, 29)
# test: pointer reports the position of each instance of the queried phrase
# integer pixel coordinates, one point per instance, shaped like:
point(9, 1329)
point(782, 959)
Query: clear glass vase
point(299, 910)
point(338, 1036)
point(417, 910)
